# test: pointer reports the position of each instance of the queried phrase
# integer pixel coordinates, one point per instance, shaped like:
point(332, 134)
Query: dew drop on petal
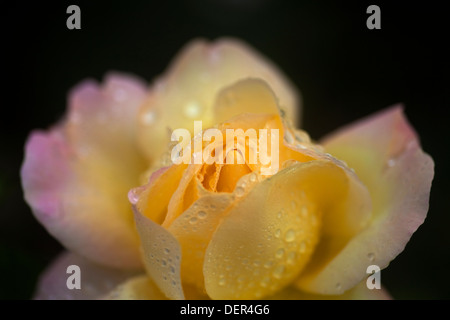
point(193, 220)
point(279, 254)
point(148, 118)
point(304, 211)
point(202, 214)
point(391, 163)
point(264, 282)
point(192, 110)
point(371, 256)
point(302, 248)
point(239, 191)
point(290, 235)
point(293, 205)
point(133, 195)
point(292, 256)
point(278, 272)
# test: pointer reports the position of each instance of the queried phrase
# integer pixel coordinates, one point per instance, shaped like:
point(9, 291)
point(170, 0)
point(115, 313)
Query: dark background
point(343, 70)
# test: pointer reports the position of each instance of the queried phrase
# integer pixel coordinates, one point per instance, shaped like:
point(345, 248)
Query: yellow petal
point(136, 288)
point(245, 96)
point(162, 255)
point(153, 198)
point(195, 227)
point(189, 88)
point(265, 241)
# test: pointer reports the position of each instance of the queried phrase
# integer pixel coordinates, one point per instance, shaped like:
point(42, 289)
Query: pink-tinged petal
point(162, 255)
point(359, 292)
point(76, 176)
point(386, 155)
point(136, 288)
point(187, 91)
point(96, 280)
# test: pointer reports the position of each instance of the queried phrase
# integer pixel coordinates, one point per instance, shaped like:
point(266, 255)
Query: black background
point(343, 70)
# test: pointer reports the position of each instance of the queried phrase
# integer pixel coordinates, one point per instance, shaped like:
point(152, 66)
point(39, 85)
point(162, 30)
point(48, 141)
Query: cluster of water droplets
point(162, 258)
point(290, 242)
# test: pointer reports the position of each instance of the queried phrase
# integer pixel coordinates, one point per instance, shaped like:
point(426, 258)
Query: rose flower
point(203, 187)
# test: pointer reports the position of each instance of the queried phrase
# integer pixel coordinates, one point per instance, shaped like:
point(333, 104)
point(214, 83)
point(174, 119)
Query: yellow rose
point(305, 224)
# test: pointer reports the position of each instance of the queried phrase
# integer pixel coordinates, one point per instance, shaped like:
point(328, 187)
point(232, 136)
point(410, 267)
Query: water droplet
point(193, 220)
point(222, 282)
point(292, 256)
point(239, 191)
point(302, 248)
point(252, 177)
point(268, 264)
point(174, 283)
point(279, 254)
point(228, 268)
point(166, 251)
point(202, 214)
point(391, 163)
point(279, 215)
point(163, 262)
point(192, 110)
point(148, 117)
point(304, 211)
point(256, 263)
point(278, 272)
point(277, 233)
point(371, 256)
point(245, 262)
point(290, 235)
point(338, 286)
point(264, 282)
point(172, 269)
point(241, 279)
point(258, 294)
point(133, 195)
point(314, 220)
point(293, 205)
